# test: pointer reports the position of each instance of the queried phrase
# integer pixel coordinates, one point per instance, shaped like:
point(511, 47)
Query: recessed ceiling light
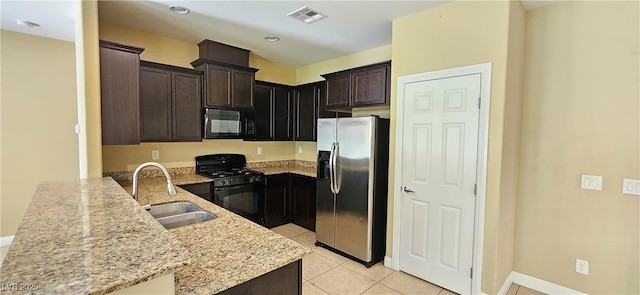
point(307, 15)
point(272, 38)
point(179, 9)
point(27, 24)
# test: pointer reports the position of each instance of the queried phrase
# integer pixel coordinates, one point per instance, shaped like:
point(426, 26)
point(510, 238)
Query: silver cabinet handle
point(407, 189)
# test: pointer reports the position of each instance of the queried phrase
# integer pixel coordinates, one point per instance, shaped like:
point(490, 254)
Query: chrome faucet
point(170, 188)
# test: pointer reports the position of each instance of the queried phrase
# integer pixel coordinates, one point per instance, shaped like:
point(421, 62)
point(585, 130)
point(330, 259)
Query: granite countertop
point(297, 167)
point(226, 251)
point(87, 237)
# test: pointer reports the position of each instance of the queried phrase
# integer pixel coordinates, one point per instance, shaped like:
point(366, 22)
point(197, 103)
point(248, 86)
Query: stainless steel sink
point(183, 219)
point(178, 214)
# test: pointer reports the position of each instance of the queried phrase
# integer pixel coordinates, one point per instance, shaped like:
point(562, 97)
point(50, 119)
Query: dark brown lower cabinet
point(286, 280)
point(290, 198)
point(303, 201)
point(276, 205)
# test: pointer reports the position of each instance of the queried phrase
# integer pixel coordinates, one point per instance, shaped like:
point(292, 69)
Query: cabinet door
point(186, 123)
point(263, 104)
point(338, 90)
point(276, 200)
point(305, 113)
point(282, 117)
point(217, 86)
point(155, 104)
point(370, 87)
point(303, 201)
point(120, 95)
point(242, 93)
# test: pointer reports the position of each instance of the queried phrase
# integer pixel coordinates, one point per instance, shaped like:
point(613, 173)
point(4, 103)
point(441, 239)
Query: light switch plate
point(631, 186)
point(591, 182)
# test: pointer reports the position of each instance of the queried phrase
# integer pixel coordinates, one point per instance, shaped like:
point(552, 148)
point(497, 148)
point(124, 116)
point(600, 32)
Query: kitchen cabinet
point(359, 87)
point(226, 85)
point(276, 203)
point(119, 93)
point(308, 107)
point(284, 280)
point(303, 201)
point(290, 198)
point(170, 108)
point(274, 111)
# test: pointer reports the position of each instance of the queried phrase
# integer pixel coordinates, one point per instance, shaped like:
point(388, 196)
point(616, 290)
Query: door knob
point(406, 189)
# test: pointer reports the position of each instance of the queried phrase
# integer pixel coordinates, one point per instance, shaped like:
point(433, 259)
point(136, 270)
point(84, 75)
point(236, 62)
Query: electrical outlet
point(259, 150)
point(591, 182)
point(582, 266)
point(631, 186)
point(299, 149)
point(155, 154)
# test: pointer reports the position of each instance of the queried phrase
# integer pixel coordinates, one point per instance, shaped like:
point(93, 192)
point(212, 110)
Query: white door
point(439, 160)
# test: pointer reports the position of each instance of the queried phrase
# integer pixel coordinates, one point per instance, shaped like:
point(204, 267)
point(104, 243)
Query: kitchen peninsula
point(91, 237)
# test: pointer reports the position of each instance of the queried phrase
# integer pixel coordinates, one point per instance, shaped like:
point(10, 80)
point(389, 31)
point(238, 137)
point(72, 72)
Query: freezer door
point(325, 217)
point(326, 134)
point(354, 200)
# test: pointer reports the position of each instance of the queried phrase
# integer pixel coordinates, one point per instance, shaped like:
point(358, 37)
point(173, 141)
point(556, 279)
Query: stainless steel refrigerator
point(351, 187)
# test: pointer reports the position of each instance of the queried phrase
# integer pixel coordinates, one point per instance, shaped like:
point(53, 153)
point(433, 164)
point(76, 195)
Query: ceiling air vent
point(307, 15)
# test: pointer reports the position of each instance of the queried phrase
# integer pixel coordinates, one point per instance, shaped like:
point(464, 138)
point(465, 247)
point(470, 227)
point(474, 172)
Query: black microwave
point(227, 123)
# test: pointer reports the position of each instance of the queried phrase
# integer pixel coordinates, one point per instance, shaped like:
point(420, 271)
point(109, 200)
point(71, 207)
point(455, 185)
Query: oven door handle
point(232, 187)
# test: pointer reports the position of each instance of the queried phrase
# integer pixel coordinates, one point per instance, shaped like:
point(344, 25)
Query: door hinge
point(475, 189)
point(479, 101)
point(471, 272)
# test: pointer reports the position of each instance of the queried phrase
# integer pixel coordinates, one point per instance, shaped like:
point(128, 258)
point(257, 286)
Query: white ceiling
point(351, 26)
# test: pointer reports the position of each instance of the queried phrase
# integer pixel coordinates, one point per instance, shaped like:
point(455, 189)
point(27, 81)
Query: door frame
point(484, 70)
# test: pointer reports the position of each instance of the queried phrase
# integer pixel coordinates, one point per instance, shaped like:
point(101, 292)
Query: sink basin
point(183, 219)
point(164, 210)
point(178, 214)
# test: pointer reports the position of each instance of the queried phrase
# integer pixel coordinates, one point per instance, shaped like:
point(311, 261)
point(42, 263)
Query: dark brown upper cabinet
point(359, 87)
point(273, 111)
point(170, 103)
point(119, 92)
point(226, 85)
point(308, 107)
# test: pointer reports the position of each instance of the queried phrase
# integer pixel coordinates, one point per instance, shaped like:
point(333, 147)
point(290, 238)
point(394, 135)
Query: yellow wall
point(38, 138)
point(451, 35)
point(581, 115)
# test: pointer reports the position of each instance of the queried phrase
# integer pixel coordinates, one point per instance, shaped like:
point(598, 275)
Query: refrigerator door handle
point(336, 185)
point(331, 169)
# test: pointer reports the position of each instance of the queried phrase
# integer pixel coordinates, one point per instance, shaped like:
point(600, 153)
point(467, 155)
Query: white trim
point(483, 143)
point(506, 285)
point(388, 263)
point(540, 285)
point(6, 241)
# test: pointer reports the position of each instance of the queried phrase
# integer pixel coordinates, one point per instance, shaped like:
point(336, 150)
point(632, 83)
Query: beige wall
point(581, 115)
point(504, 247)
point(452, 35)
point(38, 117)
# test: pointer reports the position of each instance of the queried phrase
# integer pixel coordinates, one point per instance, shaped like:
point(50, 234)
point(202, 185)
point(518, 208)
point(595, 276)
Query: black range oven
point(234, 187)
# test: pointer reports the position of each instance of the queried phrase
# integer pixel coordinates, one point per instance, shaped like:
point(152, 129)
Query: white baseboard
point(6, 241)
point(388, 262)
point(536, 284)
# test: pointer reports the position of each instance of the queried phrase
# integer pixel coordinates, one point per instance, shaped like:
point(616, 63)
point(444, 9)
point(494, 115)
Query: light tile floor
point(327, 273)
